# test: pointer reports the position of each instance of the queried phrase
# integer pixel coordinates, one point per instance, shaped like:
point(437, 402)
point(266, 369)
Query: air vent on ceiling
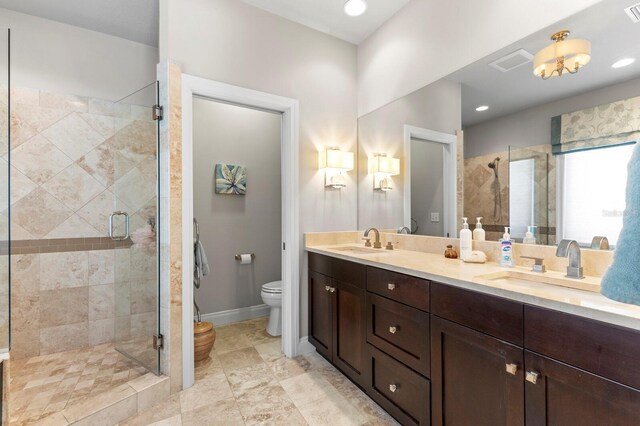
point(512, 60)
point(634, 12)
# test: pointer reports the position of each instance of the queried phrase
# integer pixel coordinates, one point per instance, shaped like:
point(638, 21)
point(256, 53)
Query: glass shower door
point(529, 193)
point(132, 226)
point(4, 190)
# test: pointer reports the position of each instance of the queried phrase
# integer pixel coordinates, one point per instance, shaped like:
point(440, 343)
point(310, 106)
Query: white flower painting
point(231, 179)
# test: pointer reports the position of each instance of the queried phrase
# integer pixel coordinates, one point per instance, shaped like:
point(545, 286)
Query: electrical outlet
point(435, 217)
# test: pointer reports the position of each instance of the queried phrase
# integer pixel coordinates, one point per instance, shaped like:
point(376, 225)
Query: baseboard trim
point(236, 315)
point(304, 347)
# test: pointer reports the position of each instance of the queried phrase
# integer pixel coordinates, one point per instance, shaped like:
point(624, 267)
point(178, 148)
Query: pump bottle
point(478, 233)
point(506, 249)
point(465, 240)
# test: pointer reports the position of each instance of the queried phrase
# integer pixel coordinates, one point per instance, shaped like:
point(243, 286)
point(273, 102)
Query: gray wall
point(231, 224)
point(533, 126)
point(434, 107)
point(427, 186)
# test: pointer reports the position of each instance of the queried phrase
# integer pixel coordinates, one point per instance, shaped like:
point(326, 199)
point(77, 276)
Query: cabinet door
point(320, 313)
point(349, 330)
point(476, 379)
point(565, 395)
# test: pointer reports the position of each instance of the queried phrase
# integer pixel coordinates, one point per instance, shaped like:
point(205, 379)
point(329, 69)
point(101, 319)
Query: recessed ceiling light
point(482, 108)
point(623, 63)
point(355, 7)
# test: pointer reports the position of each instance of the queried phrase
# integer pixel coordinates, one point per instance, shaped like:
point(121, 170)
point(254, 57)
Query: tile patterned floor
point(247, 381)
point(47, 384)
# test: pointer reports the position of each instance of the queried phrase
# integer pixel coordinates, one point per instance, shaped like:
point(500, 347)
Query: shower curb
point(113, 405)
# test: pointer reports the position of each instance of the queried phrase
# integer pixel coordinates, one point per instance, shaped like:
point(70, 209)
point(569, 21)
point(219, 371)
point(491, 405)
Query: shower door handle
point(126, 226)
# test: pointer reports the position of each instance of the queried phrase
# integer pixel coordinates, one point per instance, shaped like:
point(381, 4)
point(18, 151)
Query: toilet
point(272, 296)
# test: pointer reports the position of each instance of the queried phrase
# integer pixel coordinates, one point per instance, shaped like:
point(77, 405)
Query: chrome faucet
point(404, 230)
point(600, 243)
point(571, 249)
point(376, 243)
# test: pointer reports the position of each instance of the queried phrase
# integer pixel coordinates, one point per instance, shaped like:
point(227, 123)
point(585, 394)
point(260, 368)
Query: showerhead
point(494, 163)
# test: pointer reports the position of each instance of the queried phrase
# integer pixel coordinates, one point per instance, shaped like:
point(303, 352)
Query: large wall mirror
point(549, 155)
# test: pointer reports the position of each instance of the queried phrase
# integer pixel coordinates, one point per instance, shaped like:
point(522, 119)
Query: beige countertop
point(467, 275)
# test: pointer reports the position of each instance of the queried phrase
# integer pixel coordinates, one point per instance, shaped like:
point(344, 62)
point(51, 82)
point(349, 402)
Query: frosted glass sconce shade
point(336, 160)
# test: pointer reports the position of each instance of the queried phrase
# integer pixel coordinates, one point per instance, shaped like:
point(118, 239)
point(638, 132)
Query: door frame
point(449, 175)
point(289, 108)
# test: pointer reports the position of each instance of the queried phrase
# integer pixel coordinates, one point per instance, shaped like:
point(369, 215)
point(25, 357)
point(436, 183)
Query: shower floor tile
point(43, 385)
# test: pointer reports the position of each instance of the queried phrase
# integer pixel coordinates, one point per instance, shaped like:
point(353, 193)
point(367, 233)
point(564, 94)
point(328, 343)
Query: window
point(592, 199)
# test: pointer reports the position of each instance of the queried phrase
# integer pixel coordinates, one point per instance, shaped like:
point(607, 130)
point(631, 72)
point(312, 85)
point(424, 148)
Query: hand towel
point(621, 282)
point(202, 264)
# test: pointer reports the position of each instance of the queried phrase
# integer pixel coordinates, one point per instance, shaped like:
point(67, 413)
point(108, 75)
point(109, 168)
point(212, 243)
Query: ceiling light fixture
point(563, 55)
point(355, 7)
point(623, 62)
point(482, 108)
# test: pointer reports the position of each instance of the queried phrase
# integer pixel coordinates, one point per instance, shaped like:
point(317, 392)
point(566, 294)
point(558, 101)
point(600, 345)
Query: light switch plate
point(435, 217)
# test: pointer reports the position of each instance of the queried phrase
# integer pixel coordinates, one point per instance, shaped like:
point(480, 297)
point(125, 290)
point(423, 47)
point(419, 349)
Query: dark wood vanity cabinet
point(559, 394)
point(477, 379)
point(580, 371)
point(477, 358)
point(434, 353)
point(320, 313)
point(398, 341)
point(337, 313)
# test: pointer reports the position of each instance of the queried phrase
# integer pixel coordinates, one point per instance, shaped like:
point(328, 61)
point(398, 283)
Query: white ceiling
point(612, 35)
point(328, 15)
point(135, 20)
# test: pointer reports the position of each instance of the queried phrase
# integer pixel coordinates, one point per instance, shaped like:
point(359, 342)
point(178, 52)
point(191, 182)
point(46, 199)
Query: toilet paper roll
point(245, 259)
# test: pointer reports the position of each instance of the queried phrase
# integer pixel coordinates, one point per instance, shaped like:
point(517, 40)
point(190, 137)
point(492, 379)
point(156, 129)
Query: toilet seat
point(274, 287)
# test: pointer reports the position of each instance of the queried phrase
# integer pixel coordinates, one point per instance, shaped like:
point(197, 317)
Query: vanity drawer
point(605, 349)
point(402, 288)
point(401, 391)
point(320, 264)
point(342, 270)
point(491, 315)
point(349, 272)
point(399, 330)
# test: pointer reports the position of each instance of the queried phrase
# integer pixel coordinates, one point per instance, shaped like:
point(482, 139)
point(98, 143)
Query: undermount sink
point(550, 278)
point(359, 250)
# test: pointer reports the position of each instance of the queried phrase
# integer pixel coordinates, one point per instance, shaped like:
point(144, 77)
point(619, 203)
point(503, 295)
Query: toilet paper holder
point(238, 257)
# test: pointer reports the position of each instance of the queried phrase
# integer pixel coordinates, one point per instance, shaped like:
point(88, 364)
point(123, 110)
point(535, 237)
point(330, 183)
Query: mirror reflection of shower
point(495, 188)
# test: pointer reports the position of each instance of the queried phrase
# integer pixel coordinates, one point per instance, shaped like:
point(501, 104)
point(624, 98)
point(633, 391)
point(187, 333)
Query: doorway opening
point(199, 93)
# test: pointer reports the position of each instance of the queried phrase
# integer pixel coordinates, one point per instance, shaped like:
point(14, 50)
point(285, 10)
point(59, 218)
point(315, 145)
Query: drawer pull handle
point(393, 329)
point(327, 288)
point(391, 286)
point(511, 368)
point(393, 388)
point(532, 377)
point(332, 290)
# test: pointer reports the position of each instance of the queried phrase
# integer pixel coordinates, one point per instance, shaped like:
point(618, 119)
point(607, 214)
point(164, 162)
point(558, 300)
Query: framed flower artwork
point(231, 179)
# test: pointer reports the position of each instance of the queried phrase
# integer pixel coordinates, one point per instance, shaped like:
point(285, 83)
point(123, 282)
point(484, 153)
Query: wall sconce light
point(382, 168)
point(335, 164)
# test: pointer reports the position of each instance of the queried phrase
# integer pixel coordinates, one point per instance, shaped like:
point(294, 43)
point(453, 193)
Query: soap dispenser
point(529, 238)
point(465, 240)
point(506, 248)
point(478, 233)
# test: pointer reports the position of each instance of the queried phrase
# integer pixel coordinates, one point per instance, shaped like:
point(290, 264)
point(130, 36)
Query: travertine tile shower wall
point(74, 160)
point(479, 196)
